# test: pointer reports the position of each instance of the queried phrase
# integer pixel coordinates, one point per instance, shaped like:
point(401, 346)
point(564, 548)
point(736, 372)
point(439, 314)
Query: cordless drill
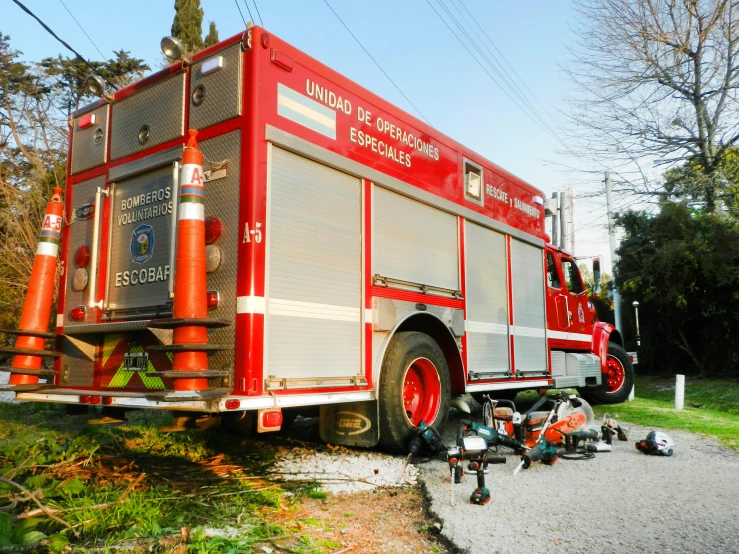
point(491, 436)
point(544, 452)
point(576, 440)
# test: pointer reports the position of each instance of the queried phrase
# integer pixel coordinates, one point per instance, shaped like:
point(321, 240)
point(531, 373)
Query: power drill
point(491, 436)
point(481, 495)
point(544, 451)
point(576, 440)
point(425, 435)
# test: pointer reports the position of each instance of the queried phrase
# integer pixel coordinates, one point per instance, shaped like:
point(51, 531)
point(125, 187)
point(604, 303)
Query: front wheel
point(414, 386)
point(618, 379)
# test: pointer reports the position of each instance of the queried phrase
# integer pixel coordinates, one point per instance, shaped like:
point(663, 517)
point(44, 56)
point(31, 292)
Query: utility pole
point(555, 218)
point(614, 256)
point(562, 220)
point(571, 199)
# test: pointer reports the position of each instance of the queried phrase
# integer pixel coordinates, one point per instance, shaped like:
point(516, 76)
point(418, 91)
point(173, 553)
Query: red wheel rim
point(421, 391)
point(614, 375)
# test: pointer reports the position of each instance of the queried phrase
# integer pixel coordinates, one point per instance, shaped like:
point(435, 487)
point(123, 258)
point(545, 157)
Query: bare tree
point(657, 82)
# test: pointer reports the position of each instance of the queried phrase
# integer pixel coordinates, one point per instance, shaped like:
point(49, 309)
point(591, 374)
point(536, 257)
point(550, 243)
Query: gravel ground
point(620, 501)
point(5, 396)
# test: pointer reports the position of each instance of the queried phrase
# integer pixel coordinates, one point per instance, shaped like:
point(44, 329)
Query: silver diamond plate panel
point(89, 145)
point(222, 201)
point(80, 232)
point(77, 369)
point(222, 90)
point(403, 310)
point(160, 107)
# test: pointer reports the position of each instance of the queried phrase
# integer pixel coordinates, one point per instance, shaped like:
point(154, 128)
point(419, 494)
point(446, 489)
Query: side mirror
point(596, 275)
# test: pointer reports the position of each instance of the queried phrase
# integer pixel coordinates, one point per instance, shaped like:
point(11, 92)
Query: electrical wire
point(258, 14)
point(375, 61)
point(240, 12)
point(251, 17)
point(83, 30)
point(52, 33)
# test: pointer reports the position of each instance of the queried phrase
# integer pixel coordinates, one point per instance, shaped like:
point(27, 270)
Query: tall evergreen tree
point(188, 25)
point(212, 36)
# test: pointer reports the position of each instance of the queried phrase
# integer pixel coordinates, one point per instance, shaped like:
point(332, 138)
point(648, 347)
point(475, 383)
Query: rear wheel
point(618, 379)
point(414, 386)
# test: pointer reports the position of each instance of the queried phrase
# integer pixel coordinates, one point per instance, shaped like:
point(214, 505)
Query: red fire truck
point(362, 261)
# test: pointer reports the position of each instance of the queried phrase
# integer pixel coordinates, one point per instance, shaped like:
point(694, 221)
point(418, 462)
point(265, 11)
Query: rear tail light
point(214, 299)
point(213, 228)
point(107, 400)
point(269, 420)
point(233, 404)
point(84, 399)
point(78, 313)
point(82, 256)
point(95, 400)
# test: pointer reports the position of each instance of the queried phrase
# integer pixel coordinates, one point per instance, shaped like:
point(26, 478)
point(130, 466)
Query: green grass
point(711, 407)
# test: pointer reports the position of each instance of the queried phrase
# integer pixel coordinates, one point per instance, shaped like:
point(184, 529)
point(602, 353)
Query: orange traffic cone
point(190, 290)
point(34, 324)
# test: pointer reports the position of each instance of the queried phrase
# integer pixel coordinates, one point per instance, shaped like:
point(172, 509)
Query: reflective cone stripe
point(190, 290)
point(37, 305)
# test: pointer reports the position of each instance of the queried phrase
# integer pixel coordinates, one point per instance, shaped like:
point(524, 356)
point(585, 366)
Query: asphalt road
point(620, 501)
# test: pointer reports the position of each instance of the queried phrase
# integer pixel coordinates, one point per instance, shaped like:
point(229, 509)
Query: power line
point(251, 17)
point(240, 13)
point(83, 30)
point(375, 62)
point(258, 14)
point(52, 33)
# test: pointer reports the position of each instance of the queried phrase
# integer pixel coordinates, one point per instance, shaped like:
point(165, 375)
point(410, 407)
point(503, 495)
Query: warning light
point(78, 313)
point(233, 404)
point(82, 256)
point(213, 297)
point(271, 419)
point(213, 228)
point(84, 399)
point(86, 120)
point(95, 400)
point(107, 400)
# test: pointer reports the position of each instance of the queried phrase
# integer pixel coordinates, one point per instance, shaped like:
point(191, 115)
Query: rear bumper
point(140, 400)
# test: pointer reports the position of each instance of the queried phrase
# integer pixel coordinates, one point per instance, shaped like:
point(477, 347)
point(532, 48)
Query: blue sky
point(408, 40)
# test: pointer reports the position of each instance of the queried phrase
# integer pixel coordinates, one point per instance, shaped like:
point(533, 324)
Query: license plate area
point(135, 361)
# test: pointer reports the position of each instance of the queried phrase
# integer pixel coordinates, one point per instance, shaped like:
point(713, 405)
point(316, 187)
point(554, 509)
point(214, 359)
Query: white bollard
point(631, 394)
point(679, 391)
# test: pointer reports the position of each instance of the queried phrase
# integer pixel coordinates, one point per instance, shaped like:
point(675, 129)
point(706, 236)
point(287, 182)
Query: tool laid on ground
point(656, 442)
point(491, 436)
point(614, 427)
point(579, 439)
point(544, 452)
point(424, 438)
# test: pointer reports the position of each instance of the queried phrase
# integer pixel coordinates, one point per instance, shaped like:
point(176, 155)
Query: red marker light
point(95, 400)
point(82, 256)
point(232, 404)
point(84, 399)
point(107, 400)
point(213, 228)
point(281, 60)
point(86, 120)
point(78, 313)
point(213, 299)
point(272, 419)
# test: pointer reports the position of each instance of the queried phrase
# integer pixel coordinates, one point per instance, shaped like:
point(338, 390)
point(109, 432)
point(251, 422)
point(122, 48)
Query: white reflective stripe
point(187, 174)
point(582, 337)
point(368, 315)
point(296, 308)
point(191, 210)
point(47, 249)
point(528, 331)
point(60, 320)
point(250, 305)
point(488, 328)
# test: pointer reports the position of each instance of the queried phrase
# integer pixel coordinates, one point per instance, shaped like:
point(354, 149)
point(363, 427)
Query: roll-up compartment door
point(487, 302)
point(527, 283)
point(413, 242)
point(314, 272)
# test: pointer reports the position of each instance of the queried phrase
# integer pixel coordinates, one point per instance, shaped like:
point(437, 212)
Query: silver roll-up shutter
point(414, 242)
point(487, 301)
point(529, 319)
point(314, 271)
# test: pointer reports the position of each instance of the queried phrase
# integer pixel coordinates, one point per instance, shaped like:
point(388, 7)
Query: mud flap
point(350, 424)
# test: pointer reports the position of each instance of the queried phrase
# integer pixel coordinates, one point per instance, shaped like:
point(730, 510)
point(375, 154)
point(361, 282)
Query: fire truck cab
point(360, 261)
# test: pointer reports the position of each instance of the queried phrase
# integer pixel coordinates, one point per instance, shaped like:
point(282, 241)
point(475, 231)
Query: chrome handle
point(92, 302)
point(173, 238)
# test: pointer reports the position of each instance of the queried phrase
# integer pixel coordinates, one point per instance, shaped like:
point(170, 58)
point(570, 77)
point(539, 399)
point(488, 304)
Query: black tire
point(509, 394)
point(404, 349)
point(600, 394)
point(243, 424)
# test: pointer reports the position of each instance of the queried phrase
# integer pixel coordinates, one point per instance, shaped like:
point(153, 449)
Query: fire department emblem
point(142, 244)
point(581, 314)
